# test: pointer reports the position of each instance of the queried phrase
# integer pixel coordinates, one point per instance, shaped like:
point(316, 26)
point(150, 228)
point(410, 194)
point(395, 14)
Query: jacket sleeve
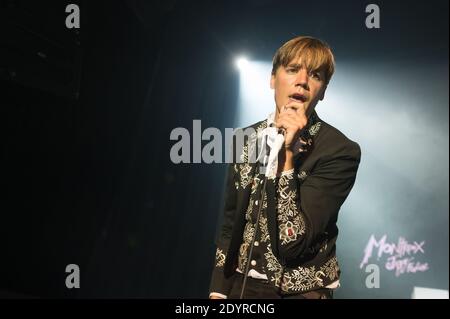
point(305, 210)
point(219, 283)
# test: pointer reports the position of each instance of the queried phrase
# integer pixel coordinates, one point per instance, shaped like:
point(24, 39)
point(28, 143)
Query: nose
point(302, 78)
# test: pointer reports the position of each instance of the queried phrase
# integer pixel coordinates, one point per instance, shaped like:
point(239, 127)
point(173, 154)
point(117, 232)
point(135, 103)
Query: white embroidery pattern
point(290, 222)
point(300, 278)
point(248, 151)
point(220, 258)
point(245, 174)
point(248, 212)
point(314, 129)
point(242, 260)
point(302, 175)
point(249, 231)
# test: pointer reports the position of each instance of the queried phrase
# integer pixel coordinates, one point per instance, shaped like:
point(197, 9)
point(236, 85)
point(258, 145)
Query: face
point(294, 85)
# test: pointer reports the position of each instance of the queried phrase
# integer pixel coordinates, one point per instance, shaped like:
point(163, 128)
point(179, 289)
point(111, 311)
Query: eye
point(316, 75)
point(291, 70)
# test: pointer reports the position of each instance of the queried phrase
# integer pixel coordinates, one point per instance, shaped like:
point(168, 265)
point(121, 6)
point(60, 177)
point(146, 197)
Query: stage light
point(255, 96)
point(242, 63)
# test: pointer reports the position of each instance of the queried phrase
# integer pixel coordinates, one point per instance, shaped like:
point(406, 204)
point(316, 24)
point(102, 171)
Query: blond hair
point(314, 54)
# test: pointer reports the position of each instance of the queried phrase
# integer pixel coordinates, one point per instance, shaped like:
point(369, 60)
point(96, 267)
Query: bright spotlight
point(256, 99)
point(241, 63)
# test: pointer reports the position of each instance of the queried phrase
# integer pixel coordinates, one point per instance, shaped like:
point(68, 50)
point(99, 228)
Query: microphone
point(274, 141)
point(281, 130)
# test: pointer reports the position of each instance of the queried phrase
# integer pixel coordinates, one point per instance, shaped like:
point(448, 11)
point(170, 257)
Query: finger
point(295, 117)
point(292, 106)
point(288, 125)
point(291, 124)
point(299, 115)
point(291, 111)
point(298, 107)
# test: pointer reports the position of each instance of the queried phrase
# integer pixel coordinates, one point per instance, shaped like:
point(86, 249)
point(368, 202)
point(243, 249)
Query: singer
point(278, 237)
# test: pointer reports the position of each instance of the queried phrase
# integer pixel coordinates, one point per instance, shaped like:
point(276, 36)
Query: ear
point(272, 81)
point(322, 95)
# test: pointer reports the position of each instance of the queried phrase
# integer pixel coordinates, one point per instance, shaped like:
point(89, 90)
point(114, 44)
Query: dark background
point(86, 114)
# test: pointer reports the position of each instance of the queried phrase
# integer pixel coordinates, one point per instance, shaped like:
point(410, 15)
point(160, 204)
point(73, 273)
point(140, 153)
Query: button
point(256, 202)
point(256, 243)
point(253, 262)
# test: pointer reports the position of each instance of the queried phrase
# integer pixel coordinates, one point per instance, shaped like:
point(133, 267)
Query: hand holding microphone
point(291, 120)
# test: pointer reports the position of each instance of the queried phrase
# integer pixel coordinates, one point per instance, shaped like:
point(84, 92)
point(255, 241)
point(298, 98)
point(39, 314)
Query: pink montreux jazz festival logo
point(400, 255)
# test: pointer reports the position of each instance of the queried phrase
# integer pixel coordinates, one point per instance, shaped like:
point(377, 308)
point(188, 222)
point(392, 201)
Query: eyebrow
point(298, 65)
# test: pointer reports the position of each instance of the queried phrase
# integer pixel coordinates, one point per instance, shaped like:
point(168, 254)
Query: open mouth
point(298, 97)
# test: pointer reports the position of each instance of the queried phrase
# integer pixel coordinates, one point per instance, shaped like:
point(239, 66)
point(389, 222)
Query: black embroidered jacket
point(297, 232)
